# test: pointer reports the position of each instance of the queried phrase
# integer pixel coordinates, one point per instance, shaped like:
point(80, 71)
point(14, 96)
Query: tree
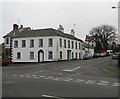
point(102, 34)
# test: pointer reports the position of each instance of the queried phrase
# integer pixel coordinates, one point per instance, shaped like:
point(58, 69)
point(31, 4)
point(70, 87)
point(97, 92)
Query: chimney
point(21, 26)
point(15, 26)
point(72, 32)
point(61, 28)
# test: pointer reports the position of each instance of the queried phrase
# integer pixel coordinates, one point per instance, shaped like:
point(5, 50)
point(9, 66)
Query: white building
point(41, 45)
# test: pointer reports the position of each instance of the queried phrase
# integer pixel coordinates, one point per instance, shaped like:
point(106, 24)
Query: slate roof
point(89, 38)
point(39, 32)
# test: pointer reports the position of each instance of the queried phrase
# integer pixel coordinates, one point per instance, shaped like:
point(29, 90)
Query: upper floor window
point(50, 42)
point(79, 45)
point(15, 44)
point(76, 44)
point(72, 44)
point(68, 43)
point(64, 43)
point(18, 55)
point(60, 42)
point(7, 40)
point(32, 43)
point(40, 42)
point(31, 55)
point(23, 43)
point(60, 54)
point(50, 55)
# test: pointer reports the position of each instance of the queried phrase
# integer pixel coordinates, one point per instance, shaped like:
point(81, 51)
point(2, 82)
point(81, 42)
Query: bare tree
point(102, 34)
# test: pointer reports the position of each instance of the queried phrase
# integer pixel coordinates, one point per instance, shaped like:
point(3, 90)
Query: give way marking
point(71, 70)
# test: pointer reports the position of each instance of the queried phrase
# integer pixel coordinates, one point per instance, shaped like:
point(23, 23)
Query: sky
point(50, 14)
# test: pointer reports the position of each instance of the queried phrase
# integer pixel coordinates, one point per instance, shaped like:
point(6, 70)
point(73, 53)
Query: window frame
point(23, 43)
point(32, 55)
point(50, 55)
point(50, 42)
point(15, 43)
point(40, 42)
point(31, 43)
point(18, 55)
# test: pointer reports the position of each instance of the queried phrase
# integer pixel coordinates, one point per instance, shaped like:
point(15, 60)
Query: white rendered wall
point(25, 52)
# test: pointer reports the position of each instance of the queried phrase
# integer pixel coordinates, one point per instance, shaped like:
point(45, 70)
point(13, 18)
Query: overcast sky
point(38, 15)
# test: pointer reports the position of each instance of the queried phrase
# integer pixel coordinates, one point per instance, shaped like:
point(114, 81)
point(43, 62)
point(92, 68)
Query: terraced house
point(27, 45)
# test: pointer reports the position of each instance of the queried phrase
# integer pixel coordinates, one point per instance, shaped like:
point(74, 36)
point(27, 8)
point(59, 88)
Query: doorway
point(40, 56)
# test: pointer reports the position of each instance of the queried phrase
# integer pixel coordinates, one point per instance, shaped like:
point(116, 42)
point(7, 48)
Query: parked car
point(115, 55)
point(102, 54)
point(96, 55)
point(87, 56)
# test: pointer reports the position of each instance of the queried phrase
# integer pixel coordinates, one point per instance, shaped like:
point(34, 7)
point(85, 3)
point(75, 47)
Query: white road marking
point(90, 81)
point(116, 84)
point(104, 82)
point(101, 83)
point(42, 76)
point(49, 96)
point(21, 75)
point(71, 70)
point(33, 75)
point(79, 80)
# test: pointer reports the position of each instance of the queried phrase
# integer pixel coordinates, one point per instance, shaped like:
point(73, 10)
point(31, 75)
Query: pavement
point(77, 78)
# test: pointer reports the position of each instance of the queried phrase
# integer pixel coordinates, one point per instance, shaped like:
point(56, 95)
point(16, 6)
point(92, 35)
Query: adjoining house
point(27, 45)
point(90, 40)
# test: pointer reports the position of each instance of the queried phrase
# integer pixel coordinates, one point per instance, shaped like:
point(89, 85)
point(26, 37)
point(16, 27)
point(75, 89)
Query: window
point(31, 43)
point(15, 44)
point(76, 44)
point(60, 42)
point(79, 55)
point(31, 55)
point(92, 45)
point(6, 51)
point(60, 54)
point(7, 40)
point(50, 43)
point(72, 44)
point(18, 55)
point(64, 43)
point(40, 42)
point(50, 55)
point(23, 43)
point(68, 43)
point(76, 55)
point(72, 55)
point(79, 45)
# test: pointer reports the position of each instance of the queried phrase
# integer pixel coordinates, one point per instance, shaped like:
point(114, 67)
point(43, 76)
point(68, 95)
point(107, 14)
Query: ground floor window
point(79, 55)
point(72, 55)
point(31, 55)
point(50, 55)
point(76, 55)
point(18, 55)
point(60, 54)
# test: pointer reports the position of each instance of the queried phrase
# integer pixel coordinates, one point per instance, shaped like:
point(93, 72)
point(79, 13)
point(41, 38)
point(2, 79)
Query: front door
point(68, 54)
point(40, 56)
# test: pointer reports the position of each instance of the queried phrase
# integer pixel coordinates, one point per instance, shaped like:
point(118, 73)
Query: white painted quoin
point(47, 45)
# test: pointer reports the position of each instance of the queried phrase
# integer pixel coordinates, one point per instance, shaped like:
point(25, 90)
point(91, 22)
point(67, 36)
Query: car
point(87, 56)
point(102, 54)
point(96, 55)
point(115, 55)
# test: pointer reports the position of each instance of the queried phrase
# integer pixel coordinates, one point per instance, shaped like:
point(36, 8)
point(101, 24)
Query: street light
point(115, 7)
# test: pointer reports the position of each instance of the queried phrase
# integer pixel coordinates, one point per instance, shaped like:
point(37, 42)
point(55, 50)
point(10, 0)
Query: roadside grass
point(113, 68)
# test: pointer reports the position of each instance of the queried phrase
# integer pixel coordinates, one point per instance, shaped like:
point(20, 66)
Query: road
point(77, 78)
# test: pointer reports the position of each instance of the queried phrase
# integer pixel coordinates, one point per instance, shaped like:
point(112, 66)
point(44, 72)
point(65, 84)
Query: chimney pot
point(15, 26)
